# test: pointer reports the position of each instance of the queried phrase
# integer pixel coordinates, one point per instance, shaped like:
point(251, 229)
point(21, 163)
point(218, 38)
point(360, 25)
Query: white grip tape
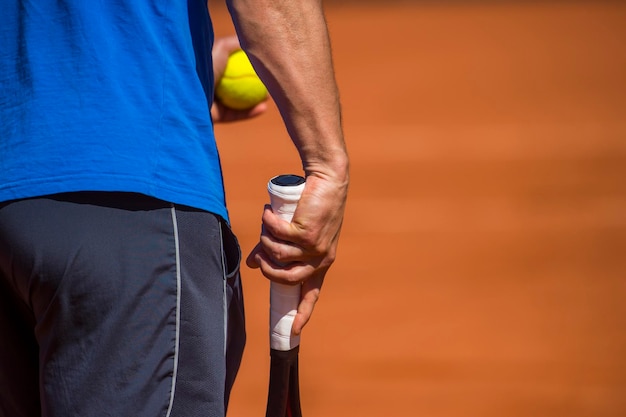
point(284, 299)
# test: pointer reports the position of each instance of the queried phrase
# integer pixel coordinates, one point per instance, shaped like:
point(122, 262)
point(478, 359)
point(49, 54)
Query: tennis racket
point(283, 398)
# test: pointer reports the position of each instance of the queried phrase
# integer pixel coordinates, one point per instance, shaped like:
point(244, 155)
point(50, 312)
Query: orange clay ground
point(482, 266)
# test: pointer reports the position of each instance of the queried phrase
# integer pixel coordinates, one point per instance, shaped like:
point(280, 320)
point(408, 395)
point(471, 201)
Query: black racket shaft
point(283, 399)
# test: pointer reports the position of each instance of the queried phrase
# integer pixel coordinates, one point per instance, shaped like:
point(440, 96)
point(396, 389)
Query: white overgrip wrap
point(284, 191)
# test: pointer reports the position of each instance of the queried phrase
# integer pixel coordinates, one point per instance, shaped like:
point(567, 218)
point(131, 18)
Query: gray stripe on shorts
point(224, 298)
point(178, 285)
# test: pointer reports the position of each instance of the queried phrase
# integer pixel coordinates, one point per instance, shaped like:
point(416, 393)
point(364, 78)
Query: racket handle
point(284, 191)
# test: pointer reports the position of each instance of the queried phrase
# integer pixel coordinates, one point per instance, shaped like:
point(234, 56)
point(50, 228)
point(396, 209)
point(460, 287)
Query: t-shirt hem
point(192, 198)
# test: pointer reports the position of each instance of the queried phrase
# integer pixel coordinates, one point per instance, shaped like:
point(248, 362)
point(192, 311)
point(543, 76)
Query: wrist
point(334, 166)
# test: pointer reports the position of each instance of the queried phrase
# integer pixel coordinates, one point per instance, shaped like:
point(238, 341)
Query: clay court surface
point(482, 266)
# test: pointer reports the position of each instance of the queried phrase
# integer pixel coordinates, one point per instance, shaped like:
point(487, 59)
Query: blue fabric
point(108, 96)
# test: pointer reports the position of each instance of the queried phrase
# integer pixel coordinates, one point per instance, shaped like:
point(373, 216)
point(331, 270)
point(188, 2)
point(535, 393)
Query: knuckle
point(291, 278)
point(277, 255)
point(280, 254)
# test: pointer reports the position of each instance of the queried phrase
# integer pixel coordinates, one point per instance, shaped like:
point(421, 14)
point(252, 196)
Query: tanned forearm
point(288, 43)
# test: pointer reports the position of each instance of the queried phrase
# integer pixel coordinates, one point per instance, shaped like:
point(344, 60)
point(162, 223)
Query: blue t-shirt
point(108, 96)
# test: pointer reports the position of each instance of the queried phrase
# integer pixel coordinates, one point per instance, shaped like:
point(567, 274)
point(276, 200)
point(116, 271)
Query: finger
point(310, 295)
point(223, 47)
point(289, 274)
point(251, 261)
point(279, 228)
point(280, 251)
point(257, 110)
point(223, 114)
point(293, 272)
point(231, 43)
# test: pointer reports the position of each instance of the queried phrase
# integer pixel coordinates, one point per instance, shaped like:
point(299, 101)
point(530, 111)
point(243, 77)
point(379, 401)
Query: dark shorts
point(116, 304)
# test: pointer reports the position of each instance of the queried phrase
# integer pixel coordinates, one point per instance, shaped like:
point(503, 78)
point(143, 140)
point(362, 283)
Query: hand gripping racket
point(283, 398)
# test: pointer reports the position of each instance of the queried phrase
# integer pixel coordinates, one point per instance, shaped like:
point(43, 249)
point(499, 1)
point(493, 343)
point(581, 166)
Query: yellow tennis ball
point(240, 88)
